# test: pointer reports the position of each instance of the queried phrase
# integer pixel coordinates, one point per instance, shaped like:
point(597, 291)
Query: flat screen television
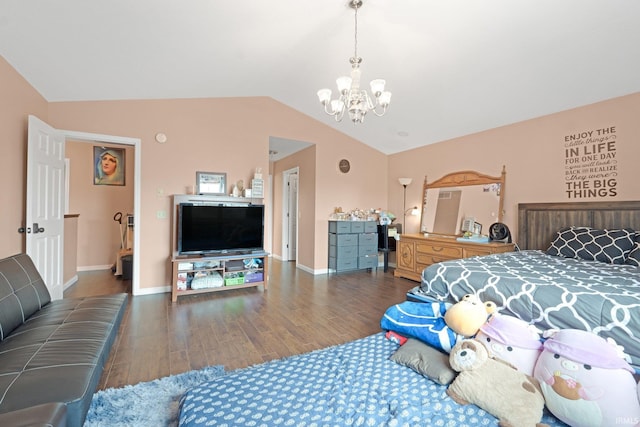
point(218, 229)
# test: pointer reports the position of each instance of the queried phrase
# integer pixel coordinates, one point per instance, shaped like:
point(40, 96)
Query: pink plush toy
point(586, 382)
point(512, 340)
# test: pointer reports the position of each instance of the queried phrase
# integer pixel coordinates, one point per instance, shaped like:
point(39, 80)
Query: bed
point(553, 292)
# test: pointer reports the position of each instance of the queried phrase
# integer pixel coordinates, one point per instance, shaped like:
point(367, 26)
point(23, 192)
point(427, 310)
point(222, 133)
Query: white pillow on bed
point(610, 246)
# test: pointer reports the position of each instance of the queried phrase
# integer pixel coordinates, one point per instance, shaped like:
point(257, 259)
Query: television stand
point(196, 274)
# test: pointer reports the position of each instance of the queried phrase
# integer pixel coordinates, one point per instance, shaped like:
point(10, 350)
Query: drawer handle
point(437, 249)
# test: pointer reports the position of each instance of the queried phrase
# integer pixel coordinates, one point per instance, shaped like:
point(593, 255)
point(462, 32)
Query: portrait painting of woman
point(109, 166)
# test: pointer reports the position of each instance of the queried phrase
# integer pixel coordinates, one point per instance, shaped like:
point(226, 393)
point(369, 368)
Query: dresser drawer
point(368, 239)
point(339, 227)
point(368, 250)
point(343, 239)
point(426, 260)
point(469, 252)
point(343, 251)
point(439, 250)
point(370, 261)
point(339, 264)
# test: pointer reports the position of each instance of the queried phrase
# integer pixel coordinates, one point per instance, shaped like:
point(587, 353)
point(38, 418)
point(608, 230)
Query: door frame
point(285, 210)
point(137, 161)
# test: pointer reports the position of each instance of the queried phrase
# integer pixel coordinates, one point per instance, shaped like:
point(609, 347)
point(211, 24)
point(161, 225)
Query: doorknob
point(37, 228)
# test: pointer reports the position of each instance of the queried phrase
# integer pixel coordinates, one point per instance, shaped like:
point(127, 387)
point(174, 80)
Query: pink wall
point(17, 100)
point(226, 135)
point(534, 152)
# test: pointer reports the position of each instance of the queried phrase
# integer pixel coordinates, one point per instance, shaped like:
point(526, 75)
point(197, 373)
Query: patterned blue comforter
point(549, 291)
point(353, 384)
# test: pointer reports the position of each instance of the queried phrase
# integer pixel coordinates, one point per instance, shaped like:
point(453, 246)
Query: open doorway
point(290, 214)
point(133, 159)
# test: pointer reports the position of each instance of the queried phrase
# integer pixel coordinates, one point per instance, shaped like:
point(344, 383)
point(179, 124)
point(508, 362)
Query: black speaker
point(499, 232)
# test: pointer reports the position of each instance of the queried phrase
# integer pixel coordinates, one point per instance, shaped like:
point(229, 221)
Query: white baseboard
point(94, 267)
point(71, 281)
point(152, 291)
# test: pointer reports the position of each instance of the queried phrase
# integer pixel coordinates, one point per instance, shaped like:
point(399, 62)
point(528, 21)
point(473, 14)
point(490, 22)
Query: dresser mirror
point(462, 202)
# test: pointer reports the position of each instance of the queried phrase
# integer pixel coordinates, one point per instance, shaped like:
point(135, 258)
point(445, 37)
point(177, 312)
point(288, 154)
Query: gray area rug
point(154, 403)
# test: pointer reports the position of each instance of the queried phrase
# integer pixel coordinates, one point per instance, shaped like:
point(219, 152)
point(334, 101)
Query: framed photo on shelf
point(211, 183)
point(108, 165)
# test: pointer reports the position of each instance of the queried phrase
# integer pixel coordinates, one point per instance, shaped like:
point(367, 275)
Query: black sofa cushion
point(57, 354)
point(22, 292)
point(45, 415)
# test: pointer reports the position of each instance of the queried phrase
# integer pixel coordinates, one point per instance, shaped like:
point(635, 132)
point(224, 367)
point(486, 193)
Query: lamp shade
point(324, 95)
point(377, 87)
point(405, 181)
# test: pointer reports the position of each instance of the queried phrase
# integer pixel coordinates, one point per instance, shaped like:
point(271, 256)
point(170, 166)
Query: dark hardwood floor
point(298, 313)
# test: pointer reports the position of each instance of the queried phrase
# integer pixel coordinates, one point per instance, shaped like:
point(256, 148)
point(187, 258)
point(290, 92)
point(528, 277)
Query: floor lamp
point(404, 182)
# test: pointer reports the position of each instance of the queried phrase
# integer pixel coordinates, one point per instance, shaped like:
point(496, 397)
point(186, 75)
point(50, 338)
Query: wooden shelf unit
point(224, 260)
point(415, 252)
point(224, 264)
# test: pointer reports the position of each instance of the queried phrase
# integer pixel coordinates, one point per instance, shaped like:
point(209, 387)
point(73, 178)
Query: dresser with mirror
point(457, 211)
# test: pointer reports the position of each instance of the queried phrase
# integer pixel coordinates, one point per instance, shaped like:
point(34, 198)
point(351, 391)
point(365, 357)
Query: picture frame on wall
point(109, 166)
point(213, 183)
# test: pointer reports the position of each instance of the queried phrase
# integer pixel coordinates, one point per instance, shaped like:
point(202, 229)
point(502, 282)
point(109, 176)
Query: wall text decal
point(591, 166)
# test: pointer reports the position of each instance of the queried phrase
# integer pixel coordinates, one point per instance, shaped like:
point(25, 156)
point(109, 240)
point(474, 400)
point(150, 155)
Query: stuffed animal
point(585, 380)
point(467, 315)
point(437, 324)
point(512, 340)
point(506, 393)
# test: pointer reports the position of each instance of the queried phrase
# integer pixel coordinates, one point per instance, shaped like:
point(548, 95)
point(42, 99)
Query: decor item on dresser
point(563, 291)
point(351, 98)
point(52, 353)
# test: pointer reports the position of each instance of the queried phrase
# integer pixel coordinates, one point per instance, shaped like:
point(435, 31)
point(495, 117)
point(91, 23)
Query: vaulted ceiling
point(454, 67)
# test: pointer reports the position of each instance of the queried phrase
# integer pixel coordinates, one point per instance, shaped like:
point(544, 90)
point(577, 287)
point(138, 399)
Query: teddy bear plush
point(467, 315)
point(495, 386)
point(512, 340)
point(438, 324)
point(585, 380)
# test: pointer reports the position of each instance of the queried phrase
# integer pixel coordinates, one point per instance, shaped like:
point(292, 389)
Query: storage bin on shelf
point(234, 279)
point(253, 276)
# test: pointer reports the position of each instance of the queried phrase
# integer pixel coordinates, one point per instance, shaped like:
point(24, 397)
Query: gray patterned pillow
point(610, 246)
point(634, 255)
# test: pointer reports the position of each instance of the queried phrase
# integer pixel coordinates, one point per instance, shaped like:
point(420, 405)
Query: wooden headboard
point(539, 222)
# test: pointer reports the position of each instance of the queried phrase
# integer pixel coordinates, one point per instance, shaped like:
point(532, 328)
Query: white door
point(293, 216)
point(45, 203)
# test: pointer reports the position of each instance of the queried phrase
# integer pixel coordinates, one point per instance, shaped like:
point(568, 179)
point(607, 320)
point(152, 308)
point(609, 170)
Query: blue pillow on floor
point(423, 321)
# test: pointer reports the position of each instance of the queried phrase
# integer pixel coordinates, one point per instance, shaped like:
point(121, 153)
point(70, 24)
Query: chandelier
point(351, 98)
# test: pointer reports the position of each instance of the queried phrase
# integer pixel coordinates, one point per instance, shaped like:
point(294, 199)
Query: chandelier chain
point(355, 53)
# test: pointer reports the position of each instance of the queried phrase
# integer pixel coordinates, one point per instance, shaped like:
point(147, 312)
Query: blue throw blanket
point(423, 321)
